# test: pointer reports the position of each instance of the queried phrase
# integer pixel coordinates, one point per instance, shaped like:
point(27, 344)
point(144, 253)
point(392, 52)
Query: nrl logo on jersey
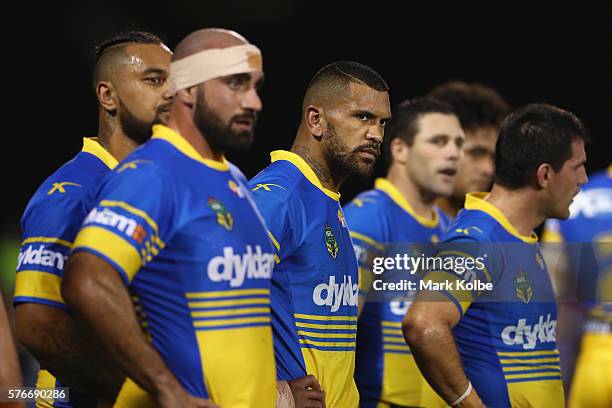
point(224, 218)
point(523, 287)
point(330, 242)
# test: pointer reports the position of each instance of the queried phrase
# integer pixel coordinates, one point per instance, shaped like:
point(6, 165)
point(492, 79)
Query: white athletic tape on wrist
point(214, 63)
point(464, 396)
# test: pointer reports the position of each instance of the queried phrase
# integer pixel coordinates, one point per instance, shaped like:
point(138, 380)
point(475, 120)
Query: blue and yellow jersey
point(385, 371)
point(49, 225)
point(314, 287)
point(186, 238)
point(506, 336)
point(590, 225)
point(590, 222)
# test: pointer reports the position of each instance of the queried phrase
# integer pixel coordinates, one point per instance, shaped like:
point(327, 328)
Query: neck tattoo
point(321, 171)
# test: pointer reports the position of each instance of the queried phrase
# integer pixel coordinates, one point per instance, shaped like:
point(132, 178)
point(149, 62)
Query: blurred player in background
point(422, 146)
point(480, 110)
point(10, 373)
point(314, 286)
point(588, 235)
point(130, 81)
point(174, 227)
point(499, 345)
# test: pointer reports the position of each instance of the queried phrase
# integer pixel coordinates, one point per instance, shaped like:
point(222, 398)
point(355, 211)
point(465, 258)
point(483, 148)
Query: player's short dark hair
point(116, 42)
point(344, 72)
point(532, 135)
point(332, 82)
point(475, 105)
point(404, 123)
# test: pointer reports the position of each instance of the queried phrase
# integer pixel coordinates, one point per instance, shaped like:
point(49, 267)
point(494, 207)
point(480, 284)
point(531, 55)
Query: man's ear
point(107, 95)
point(544, 172)
point(188, 96)
point(399, 151)
point(314, 117)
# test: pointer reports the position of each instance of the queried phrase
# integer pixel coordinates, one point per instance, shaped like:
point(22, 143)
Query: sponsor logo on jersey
point(266, 187)
point(523, 287)
point(540, 260)
point(399, 308)
point(334, 294)
point(59, 187)
point(341, 218)
point(330, 241)
point(235, 188)
point(224, 218)
point(528, 336)
point(591, 203)
point(41, 256)
point(236, 267)
point(120, 222)
point(132, 165)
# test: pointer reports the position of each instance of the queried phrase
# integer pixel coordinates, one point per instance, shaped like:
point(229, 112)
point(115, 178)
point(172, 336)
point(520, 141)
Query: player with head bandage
point(175, 225)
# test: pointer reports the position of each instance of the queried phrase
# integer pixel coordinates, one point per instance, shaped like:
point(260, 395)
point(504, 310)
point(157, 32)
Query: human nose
point(252, 101)
point(376, 134)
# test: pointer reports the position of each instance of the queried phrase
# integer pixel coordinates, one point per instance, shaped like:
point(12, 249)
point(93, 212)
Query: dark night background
point(540, 52)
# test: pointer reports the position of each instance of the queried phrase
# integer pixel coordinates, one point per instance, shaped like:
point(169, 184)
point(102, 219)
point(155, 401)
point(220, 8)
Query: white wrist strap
point(463, 396)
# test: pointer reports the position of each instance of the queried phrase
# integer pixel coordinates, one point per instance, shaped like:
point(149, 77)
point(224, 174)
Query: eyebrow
point(244, 76)
point(155, 70)
point(368, 113)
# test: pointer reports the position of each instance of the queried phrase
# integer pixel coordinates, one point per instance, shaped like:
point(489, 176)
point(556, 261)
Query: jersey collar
point(476, 201)
point(398, 198)
point(92, 146)
point(305, 169)
point(178, 142)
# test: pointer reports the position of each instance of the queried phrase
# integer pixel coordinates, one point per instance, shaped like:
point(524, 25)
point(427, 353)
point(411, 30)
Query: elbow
point(419, 328)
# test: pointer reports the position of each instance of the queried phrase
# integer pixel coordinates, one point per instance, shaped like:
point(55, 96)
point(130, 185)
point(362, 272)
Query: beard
point(136, 129)
point(344, 160)
point(218, 134)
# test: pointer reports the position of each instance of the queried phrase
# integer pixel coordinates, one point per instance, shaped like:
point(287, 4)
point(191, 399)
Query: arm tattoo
point(71, 357)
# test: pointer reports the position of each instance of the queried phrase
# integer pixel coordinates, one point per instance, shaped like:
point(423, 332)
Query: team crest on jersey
point(330, 242)
point(224, 218)
point(341, 218)
point(523, 287)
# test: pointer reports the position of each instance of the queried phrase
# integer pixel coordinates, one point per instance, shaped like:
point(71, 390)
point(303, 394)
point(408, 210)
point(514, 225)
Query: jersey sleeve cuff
point(112, 248)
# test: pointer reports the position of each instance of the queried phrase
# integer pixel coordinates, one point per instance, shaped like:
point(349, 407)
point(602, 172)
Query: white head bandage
point(214, 63)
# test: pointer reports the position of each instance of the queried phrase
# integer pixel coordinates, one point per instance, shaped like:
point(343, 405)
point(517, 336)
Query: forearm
point(61, 347)
point(284, 396)
point(443, 370)
point(116, 328)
